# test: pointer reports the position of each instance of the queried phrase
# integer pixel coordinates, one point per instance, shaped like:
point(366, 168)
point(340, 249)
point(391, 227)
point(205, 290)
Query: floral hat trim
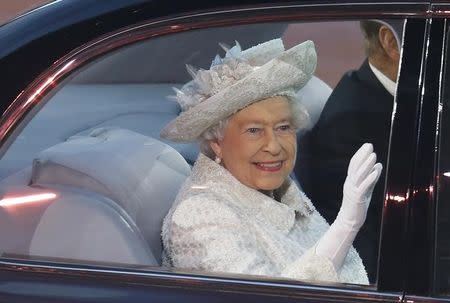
point(237, 80)
point(224, 72)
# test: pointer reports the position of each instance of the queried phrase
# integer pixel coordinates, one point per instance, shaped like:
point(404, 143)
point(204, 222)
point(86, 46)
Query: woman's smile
point(273, 166)
point(259, 144)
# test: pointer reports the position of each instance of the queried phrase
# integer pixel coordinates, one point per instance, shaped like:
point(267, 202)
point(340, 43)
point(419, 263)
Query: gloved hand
point(362, 175)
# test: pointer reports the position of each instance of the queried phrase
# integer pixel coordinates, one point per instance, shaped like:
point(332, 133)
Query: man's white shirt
point(387, 83)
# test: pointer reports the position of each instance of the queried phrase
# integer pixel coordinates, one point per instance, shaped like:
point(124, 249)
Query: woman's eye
point(286, 127)
point(253, 130)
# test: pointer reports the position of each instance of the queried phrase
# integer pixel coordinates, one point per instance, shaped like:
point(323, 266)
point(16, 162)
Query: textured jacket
point(217, 224)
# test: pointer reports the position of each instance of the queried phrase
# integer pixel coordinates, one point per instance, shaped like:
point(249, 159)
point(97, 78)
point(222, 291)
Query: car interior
point(90, 161)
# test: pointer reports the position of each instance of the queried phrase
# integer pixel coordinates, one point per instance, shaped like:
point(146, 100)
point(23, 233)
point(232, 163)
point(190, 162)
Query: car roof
point(58, 14)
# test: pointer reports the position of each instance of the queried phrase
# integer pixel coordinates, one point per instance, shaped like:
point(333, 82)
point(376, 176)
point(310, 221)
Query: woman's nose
point(272, 145)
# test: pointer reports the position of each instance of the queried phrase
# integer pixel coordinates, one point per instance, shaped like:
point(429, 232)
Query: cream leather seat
point(114, 188)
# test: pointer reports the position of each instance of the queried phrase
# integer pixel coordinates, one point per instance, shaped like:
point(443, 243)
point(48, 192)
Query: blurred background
point(10, 9)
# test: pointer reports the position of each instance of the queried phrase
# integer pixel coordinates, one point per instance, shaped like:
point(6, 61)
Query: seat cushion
point(141, 174)
point(90, 227)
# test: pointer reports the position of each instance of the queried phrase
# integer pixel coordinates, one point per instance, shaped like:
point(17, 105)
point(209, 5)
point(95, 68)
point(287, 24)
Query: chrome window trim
point(441, 10)
point(203, 281)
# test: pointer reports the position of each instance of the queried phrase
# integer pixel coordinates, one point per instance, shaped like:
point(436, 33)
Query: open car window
point(87, 178)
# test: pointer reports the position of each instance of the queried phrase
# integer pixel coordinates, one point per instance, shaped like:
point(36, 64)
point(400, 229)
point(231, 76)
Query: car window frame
point(60, 70)
point(431, 122)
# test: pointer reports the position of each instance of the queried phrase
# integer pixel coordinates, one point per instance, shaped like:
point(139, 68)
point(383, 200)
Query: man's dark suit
point(358, 110)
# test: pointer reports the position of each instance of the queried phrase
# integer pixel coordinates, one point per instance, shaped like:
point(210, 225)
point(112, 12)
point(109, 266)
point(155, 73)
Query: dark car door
point(429, 213)
point(83, 45)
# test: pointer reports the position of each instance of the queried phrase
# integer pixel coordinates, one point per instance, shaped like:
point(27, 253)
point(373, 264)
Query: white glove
point(362, 176)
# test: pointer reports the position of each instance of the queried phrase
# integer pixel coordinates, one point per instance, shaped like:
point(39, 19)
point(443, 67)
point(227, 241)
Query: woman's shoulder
point(200, 207)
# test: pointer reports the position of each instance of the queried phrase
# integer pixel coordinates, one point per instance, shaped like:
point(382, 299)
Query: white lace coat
point(217, 224)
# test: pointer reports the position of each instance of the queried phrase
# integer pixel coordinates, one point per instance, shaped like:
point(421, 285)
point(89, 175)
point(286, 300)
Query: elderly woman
point(239, 211)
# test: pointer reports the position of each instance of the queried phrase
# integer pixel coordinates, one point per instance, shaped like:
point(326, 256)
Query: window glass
point(88, 178)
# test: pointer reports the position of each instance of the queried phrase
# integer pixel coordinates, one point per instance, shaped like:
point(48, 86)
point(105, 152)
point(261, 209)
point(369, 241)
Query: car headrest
point(313, 96)
point(141, 174)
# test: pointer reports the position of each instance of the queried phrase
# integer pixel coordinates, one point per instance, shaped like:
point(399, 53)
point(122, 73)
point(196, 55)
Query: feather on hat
point(238, 80)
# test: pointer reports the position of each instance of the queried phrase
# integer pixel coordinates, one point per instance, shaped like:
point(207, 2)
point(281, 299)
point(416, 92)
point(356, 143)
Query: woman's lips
point(269, 166)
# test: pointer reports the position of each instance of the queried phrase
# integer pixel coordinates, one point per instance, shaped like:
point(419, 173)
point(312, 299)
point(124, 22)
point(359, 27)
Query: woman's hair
point(214, 133)
point(217, 131)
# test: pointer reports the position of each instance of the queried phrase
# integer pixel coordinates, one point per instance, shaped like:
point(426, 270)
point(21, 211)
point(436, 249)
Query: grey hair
point(216, 132)
point(301, 116)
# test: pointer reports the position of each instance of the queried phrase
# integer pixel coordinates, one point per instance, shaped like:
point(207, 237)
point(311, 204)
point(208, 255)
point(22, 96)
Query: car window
point(87, 177)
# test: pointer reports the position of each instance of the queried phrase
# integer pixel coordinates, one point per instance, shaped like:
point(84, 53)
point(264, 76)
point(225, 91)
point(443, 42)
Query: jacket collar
point(206, 174)
point(366, 75)
point(387, 83)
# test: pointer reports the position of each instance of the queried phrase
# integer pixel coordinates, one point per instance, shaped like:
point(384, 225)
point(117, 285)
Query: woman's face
point(259, 144)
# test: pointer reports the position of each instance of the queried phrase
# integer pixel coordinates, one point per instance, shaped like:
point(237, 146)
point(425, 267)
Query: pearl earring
point(217, 160)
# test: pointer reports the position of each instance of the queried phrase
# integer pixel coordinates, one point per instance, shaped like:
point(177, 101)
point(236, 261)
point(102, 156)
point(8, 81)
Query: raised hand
point(362, 175)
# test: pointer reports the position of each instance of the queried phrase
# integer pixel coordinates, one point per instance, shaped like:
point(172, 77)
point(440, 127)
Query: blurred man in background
point(359, 110)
